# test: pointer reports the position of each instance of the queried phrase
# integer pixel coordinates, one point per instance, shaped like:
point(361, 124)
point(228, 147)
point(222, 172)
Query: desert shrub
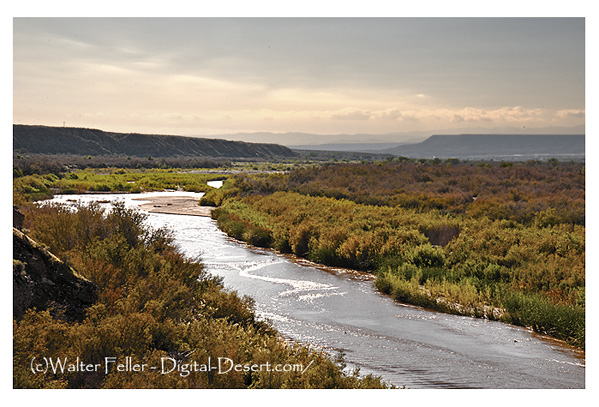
point(152, 303)
point(475, 261)
point(466, 234)
point(257, 236)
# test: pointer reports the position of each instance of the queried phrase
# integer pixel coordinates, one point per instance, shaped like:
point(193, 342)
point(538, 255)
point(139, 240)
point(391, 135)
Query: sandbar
point(175, 205)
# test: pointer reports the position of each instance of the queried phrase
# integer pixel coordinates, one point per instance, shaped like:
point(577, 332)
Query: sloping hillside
point(80, 141)
point(42, 281)
point(487, 146)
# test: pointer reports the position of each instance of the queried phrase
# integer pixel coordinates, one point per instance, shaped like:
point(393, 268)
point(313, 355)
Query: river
point(340, 311)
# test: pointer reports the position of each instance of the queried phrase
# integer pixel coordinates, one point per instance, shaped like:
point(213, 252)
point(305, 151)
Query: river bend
point(340, 311)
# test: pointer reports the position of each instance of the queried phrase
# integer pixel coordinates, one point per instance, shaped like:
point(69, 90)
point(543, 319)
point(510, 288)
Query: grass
point(35, 187)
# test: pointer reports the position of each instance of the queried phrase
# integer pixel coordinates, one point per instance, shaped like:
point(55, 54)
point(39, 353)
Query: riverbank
point(338, 311)
point(488, 265)
point(184, 205)
point(153, 303)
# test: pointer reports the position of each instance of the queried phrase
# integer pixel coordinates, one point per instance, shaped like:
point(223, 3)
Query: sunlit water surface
point(340, 311)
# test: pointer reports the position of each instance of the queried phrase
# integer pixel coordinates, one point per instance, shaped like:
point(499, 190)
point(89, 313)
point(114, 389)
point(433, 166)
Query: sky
point(328, 76)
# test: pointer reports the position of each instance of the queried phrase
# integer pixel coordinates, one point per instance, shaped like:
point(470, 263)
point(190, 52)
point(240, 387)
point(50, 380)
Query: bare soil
point(176, 205)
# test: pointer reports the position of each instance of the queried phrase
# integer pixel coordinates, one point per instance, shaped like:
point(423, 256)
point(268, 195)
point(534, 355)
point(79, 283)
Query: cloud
point(352, 115)
point(392, 114)
point(503, 114)
point(213, 85)
point(571, 113)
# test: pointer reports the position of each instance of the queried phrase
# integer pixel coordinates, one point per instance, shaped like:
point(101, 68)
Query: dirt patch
point(176, 205)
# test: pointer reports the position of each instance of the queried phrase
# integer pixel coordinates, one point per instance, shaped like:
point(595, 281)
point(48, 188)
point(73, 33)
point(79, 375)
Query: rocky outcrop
point(42, 281)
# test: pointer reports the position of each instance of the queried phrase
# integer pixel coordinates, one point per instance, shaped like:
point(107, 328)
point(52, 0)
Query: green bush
point(257, 236)
point(477, 262)
point(152, 303)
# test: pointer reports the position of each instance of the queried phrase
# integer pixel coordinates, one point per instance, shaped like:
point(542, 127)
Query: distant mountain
point(298, 140)
point(301, 140)
point(495, 146)
point(81, 141)
point(348, 147)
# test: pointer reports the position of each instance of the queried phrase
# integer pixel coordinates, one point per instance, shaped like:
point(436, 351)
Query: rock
point(42, 281)
point(17, 218)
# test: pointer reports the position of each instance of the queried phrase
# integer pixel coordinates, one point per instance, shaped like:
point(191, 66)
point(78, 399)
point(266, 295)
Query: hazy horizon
point(324, 76)
point(291, 139)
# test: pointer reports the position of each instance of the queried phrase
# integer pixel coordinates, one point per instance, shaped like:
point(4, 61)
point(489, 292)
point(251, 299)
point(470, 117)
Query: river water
point(341, 312)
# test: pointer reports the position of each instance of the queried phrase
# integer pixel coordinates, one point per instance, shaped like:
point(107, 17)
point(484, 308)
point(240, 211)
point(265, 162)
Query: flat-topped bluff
point(82, 141)
point(485, 146)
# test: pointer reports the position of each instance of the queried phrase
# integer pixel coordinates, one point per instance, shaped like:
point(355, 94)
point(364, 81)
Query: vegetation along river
point(341, 312)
